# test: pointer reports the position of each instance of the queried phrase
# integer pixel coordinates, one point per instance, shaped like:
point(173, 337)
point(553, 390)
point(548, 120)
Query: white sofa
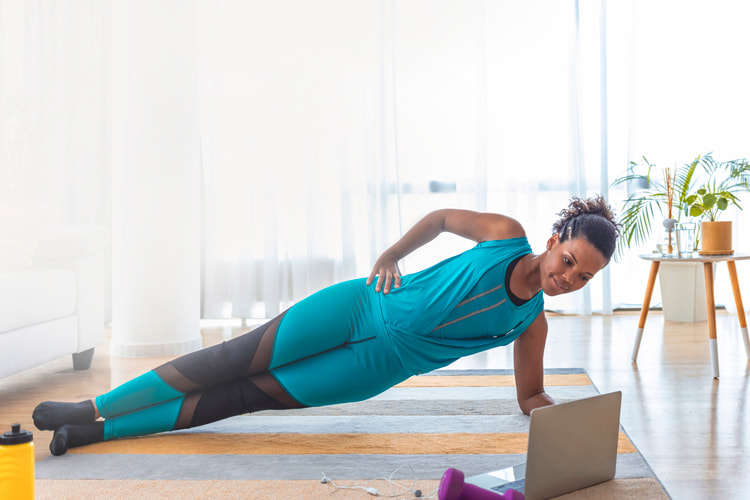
point(55, 306)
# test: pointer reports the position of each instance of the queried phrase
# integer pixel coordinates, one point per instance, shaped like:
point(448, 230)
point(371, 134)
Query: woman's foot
point(49, 416)
point(71, 436)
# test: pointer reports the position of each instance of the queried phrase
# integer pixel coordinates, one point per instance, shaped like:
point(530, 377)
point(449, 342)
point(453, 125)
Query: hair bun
point(596, 205)
point(592, 218)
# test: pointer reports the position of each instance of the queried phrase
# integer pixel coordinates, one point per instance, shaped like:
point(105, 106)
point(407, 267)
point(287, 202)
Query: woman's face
point(569, 265)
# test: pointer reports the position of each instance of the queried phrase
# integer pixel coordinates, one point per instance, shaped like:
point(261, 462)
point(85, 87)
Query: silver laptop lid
point(572, 445)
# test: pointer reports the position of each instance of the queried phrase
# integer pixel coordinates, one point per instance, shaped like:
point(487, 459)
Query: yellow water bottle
point(17, 464)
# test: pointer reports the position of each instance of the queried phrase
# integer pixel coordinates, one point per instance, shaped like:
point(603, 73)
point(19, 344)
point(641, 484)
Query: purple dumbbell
point(452, 487)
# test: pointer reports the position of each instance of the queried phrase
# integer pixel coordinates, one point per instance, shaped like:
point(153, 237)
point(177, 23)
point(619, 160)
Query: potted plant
point(723, 182)
point(658, 196)
point(655, 197)
point(692, 192)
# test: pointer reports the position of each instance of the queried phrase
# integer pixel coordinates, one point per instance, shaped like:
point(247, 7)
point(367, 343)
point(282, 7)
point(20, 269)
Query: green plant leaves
point(709, 200)
point(700, 193)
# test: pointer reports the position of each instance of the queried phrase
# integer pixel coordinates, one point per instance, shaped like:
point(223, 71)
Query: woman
point(349, 342)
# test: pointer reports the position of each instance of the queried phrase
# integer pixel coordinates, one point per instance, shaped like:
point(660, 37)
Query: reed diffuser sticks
point(669, 181)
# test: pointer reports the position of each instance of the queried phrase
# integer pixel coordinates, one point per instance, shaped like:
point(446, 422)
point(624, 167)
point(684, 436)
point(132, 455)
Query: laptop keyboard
point(515, 485)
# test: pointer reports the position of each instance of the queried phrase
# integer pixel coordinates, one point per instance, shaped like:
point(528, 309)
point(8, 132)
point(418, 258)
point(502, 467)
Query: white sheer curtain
point(54, 105)
point(292, 115)
point(328, 128)
point(332, 127)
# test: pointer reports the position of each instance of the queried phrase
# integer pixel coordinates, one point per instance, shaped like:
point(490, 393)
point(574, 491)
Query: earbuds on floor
point(399, 491)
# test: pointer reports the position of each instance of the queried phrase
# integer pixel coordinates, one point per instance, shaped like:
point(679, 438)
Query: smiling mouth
point(558, 284)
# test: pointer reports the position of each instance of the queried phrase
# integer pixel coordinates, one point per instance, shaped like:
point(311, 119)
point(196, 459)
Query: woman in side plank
point(353, 340)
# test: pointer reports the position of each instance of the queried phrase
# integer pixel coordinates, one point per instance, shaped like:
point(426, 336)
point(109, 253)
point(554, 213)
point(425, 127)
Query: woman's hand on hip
point(387, 272)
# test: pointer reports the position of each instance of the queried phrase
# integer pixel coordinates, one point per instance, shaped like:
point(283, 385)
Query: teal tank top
point(457, 307)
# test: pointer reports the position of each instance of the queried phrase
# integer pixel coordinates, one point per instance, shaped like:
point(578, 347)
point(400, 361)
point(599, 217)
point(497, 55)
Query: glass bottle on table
point(667, 246)
point(686, 238)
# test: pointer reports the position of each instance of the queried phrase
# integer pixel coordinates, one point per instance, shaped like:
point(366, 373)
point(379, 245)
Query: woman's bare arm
point(475, 226)
point(528, 363)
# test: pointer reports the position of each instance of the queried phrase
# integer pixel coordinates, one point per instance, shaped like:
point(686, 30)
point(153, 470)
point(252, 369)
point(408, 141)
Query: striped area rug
point(468, 420)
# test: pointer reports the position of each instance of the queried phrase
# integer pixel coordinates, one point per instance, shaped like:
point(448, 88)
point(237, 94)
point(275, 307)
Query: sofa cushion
point(32, 296)
point(20, 229)
point(33, 345)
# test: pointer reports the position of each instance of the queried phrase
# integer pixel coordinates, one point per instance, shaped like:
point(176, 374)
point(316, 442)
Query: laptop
point(571, 446)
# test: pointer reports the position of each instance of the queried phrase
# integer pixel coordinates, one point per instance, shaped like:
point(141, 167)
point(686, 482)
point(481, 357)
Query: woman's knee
point(248, 395)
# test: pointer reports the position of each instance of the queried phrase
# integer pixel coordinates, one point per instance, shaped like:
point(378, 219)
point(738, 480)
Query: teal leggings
point(329, 348)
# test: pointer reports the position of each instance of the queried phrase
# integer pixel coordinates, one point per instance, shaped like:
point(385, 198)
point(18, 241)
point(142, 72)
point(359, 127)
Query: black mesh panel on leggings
point(235, 398)
point(237, 358)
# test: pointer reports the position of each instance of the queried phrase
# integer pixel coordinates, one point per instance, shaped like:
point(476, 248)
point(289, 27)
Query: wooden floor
point(690, 427)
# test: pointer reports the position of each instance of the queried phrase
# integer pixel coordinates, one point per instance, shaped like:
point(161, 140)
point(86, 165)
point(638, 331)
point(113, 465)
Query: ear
point(552, 241)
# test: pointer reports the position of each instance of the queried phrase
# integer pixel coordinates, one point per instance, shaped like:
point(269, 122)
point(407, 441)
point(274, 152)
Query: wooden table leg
point(738, 303)
point(708, 274)
point(644, 309)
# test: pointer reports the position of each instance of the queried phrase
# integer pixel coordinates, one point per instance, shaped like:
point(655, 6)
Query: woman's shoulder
point(504, 228)
point(481, 226)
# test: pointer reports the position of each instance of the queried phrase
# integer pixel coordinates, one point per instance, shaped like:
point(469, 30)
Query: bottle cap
point(16, 436)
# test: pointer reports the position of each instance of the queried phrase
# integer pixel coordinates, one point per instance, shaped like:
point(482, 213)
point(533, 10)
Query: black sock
point(50, 415)
point(70, 436)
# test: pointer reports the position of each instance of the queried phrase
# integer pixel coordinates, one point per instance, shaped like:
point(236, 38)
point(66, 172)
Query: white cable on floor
point(403, 490)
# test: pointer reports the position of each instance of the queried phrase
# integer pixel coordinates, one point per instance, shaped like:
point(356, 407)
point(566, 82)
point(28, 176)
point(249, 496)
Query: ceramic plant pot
point(716, 238)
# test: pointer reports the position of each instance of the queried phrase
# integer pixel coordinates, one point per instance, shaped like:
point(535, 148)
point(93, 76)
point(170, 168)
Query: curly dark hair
point(591, 218)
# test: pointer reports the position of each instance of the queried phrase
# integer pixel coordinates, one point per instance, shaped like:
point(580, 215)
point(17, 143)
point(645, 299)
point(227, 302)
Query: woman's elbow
point(535, 401)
